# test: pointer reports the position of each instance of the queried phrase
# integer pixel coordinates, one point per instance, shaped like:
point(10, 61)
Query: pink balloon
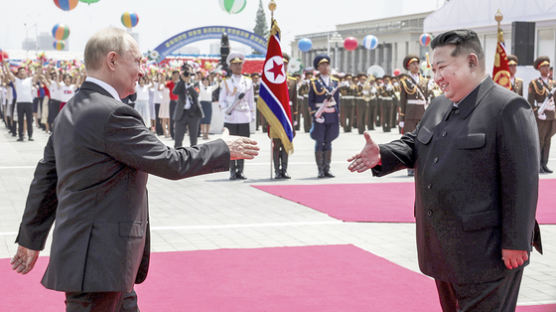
point(350, 43)
point(397, 71)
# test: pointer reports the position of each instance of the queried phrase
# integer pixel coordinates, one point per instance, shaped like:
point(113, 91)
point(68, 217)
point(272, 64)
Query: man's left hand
point(24, 260)
point(514, 258)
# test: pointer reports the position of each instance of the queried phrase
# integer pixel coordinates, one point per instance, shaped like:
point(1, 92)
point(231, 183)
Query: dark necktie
point(453, 111)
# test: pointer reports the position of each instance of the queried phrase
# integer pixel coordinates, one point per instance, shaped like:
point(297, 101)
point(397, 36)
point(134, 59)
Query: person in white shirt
point(238, 103)
point(53, 80)
point(205, 97)
point(66, 90)
point(23, 85)
point(158, 86)
point(164, 112)
point(142, 102)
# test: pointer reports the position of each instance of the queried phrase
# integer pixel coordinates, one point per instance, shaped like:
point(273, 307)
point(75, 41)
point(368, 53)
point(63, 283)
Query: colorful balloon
point(59, 45)
point(425, 40)
point(60, 32)
point(130, 19)
point(370, 42)
point(397, 71)
point(66, 5)
point(233, 6)
point(3, 55)
point(305, 44)
point(350, 43)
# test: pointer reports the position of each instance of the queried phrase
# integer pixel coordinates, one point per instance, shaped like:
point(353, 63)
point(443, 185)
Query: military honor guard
point(541, 98)
point(386, 100)
point(279, 153)
point(361, 105)
point(370, 95)
point(324, 102)
point(237, 102)
point(303, 92)
point(347, 94)
point(517, 83)
point(256, 80)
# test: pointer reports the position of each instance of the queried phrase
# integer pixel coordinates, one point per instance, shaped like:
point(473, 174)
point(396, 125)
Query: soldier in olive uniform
point(397, 89)
point(370, 95)
point(303, 92)
point(541, 89)
point(347, 93)
point(361, 105)
point(517, 83)
point(414, 95)
point(386, 99)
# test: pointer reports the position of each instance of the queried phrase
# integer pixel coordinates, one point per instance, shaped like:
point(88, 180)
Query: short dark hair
point(464, 40)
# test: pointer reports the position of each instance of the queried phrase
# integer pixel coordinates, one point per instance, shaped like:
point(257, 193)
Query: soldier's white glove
point(402, 124)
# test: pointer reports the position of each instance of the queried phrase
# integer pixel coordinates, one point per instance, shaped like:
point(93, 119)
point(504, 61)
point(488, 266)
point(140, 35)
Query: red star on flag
point(276, 70)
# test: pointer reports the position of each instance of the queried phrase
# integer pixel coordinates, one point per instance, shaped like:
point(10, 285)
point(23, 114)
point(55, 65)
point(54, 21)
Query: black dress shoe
point(240, 176)
point(233, 177)
point(541, 170)
point(327, 174)
point(20, 140)
point(546, 169)
point(278, 176)
point(321, 175)
point(31, 139)
point(410, 172)
point(285, 175)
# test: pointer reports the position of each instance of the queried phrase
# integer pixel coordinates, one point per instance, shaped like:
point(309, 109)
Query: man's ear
point(473, 60)
point(111, 60)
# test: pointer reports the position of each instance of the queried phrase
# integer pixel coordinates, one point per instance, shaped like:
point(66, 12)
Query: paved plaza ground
point(211, 212)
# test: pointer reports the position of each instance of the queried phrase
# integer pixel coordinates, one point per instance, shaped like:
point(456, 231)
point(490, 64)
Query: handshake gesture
point(367, 158)
point(240, 147)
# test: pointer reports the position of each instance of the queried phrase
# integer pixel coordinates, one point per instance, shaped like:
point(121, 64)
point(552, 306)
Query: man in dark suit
point(475, 154)
point(188, 112)
point(92, 182)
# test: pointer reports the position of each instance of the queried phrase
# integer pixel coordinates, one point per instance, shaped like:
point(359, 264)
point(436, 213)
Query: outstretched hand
point(240, 147)
point(368, 158)
point(24, 260)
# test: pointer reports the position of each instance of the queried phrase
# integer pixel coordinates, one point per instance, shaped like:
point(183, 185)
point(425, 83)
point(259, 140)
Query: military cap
point(512, 60)
point(362, 75)
point(286, 58)
point(409, 59)
point(255, 75)
point(308, 70)
point(235, 57)
point(541, 61)
point(321, 58)
point(348, 75)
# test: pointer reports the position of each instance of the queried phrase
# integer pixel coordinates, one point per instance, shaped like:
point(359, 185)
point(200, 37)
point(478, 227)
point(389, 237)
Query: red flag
point(274, 99)
point(501, 71)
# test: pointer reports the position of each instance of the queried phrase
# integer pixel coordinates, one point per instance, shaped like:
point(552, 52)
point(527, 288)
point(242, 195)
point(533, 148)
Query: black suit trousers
point(191, 123)
point(25, 109)
point(495, 296)
point(101, 302)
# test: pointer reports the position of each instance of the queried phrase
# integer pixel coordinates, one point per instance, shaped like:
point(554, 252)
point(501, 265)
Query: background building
point(397, 37)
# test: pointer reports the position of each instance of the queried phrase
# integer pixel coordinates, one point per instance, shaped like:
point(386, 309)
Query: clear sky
point(161, 19)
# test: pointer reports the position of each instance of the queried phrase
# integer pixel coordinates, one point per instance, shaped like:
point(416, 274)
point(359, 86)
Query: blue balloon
point(370, 42)
point(305, 44)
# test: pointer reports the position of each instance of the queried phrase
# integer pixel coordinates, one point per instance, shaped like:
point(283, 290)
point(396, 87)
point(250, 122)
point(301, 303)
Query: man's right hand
point(240, 147)
point(368, 158)
point(24, 260)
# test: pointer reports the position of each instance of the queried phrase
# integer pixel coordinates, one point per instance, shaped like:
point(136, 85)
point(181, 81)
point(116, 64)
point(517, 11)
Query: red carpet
point(382, 202)
point(315, 278)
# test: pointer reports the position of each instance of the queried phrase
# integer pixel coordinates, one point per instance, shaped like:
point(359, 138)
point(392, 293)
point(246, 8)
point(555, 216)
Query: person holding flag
point(274, 101)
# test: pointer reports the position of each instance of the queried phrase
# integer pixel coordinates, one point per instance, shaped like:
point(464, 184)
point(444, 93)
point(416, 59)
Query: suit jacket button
point(429, 186)
point(435, 160)
point(444, 133)
point(429, 213)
